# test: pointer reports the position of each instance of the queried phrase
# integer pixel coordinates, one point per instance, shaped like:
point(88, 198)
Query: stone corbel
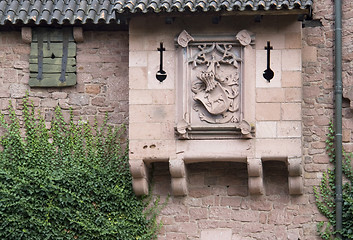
point(295, 179)
point(255, 179)
point(26, 33)
point(139, 174)
point(78, 34)
point(178, 176)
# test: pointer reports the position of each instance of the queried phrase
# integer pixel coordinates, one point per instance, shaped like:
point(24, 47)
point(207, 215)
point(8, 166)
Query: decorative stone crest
point(214, 85)
point(184, 38)
point(216, 90)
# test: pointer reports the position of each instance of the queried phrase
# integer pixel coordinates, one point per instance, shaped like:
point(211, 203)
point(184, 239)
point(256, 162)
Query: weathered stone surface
point(14, 75)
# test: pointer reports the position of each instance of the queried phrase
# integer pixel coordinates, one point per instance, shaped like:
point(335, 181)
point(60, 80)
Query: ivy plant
point(69, 181)
point(325, 195)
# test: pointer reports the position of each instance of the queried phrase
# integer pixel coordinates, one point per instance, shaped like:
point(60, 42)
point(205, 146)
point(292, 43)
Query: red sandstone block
point(92, 88)
point(293, 94)
point(110, 59)
point(270, 95)
point(167, 220)
point(84, 77)
point(181, 218)
point(302, 219)
point(89, 110)
point(198, 213)
point(208, 224)
point(176, 236)
point(208, 201)
point(280, 217)
point(191, 229)
point(318, 145)
point(10, 75)
point(268, 111)
point(80, 88)
point(238, 191)
point(291, 111)
point(199, 192)
point(21, 65)
point(51, 103)
point(63, 103)
point(98, 101)
point(322, 120)
point(59, 95)
point(261, 205)
point(233, 202)
point(311, 91)
point(263, 218)
point(172, 228)
point(245, 216)
point(22, 49)
point(220, 213)
point(106, 109)
point(87, 58)
point(174, 210)
point(196, 179)
point(78, 99)
point(252, 227)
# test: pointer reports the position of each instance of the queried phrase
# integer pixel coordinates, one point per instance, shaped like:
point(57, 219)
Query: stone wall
point(318, 89)
point(102, 81)
point(218, 201)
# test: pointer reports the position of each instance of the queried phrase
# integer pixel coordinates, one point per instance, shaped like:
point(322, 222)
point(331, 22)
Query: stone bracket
point(26, 34)
point(139, 174)
point(178, 176)
point(179, 180)
point(78, 34)
point(255, 176)
point(295, 178)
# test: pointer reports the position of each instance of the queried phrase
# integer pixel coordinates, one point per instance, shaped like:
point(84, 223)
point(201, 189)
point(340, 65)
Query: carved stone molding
point(212, 103)
point(139, 175)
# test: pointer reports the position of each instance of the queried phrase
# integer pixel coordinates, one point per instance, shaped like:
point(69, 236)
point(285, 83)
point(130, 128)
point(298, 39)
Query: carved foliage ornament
point(215, 81)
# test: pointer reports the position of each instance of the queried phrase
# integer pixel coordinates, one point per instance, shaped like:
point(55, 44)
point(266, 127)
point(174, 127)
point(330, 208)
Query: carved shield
point(215, 101)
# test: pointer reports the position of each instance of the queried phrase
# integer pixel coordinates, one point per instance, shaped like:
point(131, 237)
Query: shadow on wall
point(221, 179)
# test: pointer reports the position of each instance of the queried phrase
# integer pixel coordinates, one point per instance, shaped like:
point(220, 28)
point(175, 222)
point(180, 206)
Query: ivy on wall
point(325, 195)
point(68, 182)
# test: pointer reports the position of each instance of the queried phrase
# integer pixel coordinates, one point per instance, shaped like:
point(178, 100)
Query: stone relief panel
point(211, 88)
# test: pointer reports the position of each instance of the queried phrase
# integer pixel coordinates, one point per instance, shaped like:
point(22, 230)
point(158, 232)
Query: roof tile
point(103, 11)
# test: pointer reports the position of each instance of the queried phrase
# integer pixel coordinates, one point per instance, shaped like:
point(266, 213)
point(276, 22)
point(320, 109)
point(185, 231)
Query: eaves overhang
point(104, 12)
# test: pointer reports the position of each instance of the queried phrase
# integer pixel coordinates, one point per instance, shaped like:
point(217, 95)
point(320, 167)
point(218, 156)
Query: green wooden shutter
point(52, 62)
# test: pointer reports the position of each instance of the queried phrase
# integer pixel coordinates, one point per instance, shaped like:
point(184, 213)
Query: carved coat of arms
point(215, 86)
point(216, 89)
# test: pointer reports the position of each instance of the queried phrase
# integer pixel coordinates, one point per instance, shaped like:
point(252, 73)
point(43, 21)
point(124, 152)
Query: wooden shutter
point(52, 61)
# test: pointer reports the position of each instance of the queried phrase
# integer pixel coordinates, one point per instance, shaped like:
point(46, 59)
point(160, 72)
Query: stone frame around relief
point(215, 87)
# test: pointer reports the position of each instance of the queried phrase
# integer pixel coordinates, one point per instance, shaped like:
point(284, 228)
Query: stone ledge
point(179, 180)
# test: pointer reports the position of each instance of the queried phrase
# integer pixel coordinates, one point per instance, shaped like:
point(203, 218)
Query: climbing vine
point(325, 195)
point(71, 181)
